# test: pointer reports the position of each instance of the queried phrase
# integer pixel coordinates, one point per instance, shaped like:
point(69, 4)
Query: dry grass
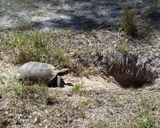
point(78, 107)
point(25, 46)
point(37, 106)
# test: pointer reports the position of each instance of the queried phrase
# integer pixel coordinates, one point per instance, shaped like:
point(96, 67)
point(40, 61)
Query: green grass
point(82, 115)
point(29, 46)
point(61, 57)
point(36, 46)
point(85, 102)
point(128, 22)
point(146, 118)
point(123, 47)
point(34, 93)
point(78, 88)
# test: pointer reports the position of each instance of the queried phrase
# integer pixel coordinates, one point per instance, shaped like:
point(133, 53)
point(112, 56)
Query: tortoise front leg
point(60, 82)
point(52, 82)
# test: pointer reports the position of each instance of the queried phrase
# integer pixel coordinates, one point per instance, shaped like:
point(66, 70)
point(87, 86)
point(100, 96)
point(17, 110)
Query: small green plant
point(85, 102)
point(78, 89)
point(39, 93)
point(146, 119)
point(113, 99)
point(1, 118)
point(18, 89)
point(82, 115)
point(128, 22)
point(123, 47)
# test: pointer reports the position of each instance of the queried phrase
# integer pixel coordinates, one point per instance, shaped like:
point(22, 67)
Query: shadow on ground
point(74, 14)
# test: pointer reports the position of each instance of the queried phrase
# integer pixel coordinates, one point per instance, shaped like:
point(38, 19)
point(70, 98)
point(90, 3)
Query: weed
point(1, 118)
point(36, 46)
point(123, 47)
point(82, 115)
point(85, 102)
point(18, 89)
point(128, 22)
point(146, 121)
point(39, 93)
point(113, 99)
point(78, 88)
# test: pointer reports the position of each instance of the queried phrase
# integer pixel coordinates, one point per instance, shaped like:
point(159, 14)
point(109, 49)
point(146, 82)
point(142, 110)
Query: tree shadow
point(75, 14)
point(154, 20)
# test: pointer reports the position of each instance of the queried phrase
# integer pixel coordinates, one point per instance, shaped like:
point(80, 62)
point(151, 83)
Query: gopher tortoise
point(42, 72)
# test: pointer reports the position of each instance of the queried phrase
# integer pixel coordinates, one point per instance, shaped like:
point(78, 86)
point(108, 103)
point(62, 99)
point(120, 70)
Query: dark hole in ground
point(127, 73)
point(129, 81)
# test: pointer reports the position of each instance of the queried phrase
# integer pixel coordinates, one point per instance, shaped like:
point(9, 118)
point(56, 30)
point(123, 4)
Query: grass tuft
point(123, 47)
point(35, 93)
point(78, 89)
point(128, 22)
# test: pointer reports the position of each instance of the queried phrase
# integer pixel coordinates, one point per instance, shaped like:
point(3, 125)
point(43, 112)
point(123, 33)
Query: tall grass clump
point(128, 22)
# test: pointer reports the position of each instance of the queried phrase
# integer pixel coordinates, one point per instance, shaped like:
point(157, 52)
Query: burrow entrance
point(127, 70)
